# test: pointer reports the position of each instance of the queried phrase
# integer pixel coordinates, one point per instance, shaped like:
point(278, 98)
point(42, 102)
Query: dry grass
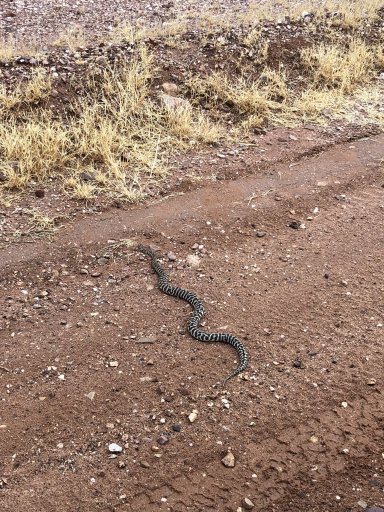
point(71, 38)
point(121, 136)
point(34, 90)
point(123, 133)
point(342, 14)
point(339, 67)
point(351, 14)
point(12, 47)
point(244, 97)
point(35, 149)
point(126, 32)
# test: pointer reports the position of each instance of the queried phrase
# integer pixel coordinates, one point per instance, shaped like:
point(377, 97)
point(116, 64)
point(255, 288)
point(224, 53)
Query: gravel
point(45, 20)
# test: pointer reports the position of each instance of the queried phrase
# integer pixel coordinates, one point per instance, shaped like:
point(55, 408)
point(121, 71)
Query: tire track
point(268, 469)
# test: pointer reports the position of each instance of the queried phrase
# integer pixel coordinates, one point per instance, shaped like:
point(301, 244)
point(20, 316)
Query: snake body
point(197, 314)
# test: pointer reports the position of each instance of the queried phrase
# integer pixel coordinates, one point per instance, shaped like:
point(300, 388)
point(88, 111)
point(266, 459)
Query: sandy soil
point(94, 354)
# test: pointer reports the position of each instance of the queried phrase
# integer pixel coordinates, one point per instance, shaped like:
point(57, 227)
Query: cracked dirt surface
point(92, 353)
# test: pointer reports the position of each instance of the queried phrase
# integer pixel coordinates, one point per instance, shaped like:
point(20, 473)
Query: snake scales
point(197, 314)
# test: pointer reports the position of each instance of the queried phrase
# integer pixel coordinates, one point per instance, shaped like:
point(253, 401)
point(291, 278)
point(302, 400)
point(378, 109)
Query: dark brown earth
point(93, 354)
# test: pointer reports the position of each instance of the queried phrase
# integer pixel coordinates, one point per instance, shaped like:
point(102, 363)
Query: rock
point(113, 364)
point(114, 448)
point(192, 417)
point(171, 256)
point(144, 464)
point(90, 395)
point(371, 382)
point(260, 234)
point(193, 260)
point(148, 379)
point(295, 224)
point(229, 460)
point(87, 176)
point(146, 339)
point(40, 193)
point(247, 504)
point(163, 440)
point(374, 509)
point(121, 464)
point(362, 504)
point(172, 103)
point(176, 427)
point(170, 88)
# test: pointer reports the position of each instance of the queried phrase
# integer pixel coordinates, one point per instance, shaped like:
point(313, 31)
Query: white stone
point(192, 417)
point(114, 448)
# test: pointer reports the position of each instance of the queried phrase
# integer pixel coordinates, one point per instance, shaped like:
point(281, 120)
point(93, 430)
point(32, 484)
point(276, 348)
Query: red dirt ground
point(94, 354)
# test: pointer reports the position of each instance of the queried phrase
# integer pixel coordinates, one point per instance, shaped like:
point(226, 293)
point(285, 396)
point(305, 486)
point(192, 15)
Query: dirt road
point(290, 261)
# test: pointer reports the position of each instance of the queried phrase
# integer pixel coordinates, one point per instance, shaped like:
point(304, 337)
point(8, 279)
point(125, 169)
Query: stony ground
point(288, 259)
point(45, 20)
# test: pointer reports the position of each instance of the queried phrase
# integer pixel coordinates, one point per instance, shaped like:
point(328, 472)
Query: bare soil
point(94, 354)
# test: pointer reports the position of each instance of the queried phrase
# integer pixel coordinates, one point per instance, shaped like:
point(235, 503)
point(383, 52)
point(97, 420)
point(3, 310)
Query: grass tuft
point(339, 67)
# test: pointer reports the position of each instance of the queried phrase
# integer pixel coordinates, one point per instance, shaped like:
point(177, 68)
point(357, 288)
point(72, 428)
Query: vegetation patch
point(120, 126)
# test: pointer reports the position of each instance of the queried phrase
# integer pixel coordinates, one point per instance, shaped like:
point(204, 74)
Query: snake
point(197, 314)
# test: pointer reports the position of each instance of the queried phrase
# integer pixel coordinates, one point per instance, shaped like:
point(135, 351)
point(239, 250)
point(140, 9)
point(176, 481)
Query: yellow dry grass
point(337, 13)
point(11, 47)
point(252, 100)
point(71, 38)
point(340, 67)
point(36, 89)
point(121, 136)
point(124, 132)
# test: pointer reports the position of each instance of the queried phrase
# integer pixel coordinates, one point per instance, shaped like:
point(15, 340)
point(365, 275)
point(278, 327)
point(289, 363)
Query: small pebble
point(192, 417)
point(371, 382)
point(163, 440)
point(362, 504)
point(295, 224)
point(176, 427)
point(229, 460)
point(171, 256)
point(247, 504)
point(114, 448)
